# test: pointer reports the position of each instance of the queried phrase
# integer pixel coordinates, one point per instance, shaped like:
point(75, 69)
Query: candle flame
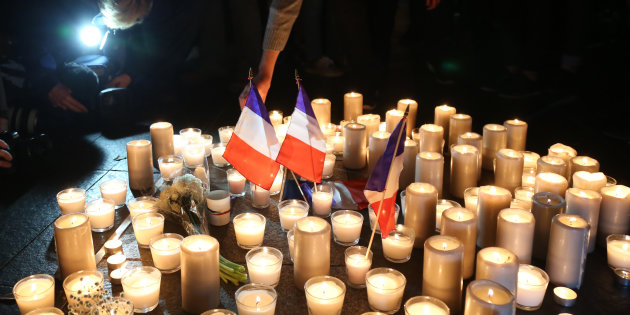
point(258, 302)
point(490, 293)
point(444, 245)
point(515, 218)
point(323, 288)
point(625, 246)
point(459, 216)
point(73, 220)
point(311, 226)
point(572, 220)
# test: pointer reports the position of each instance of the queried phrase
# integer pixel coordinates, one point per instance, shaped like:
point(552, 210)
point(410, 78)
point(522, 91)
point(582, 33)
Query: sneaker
point(324, 67)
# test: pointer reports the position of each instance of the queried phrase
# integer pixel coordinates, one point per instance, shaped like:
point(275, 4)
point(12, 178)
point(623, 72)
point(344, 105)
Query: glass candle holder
point(385, 288)
point(329, 166)
point(144, 204)
point(532, 285)
point(46, 311)
point(264, 265)
point(190, 134)
point(610, 181)
point(34, 292)
point(217, 155)
point(114, 189)
point(178, 144)
point(336, 140)
point(225, 133)
point(403, 206)
point(165, 251)
point(260, 196)
point(83, 289)
point(249, 229)
point(171, 166)
point(194, 154)
point(142, 286)
point(236, 183)
point(116, 305)
point(442, 205)
point(277, 183)
point(322, 200)
point(346, 226)
point(207, 144)
point(373, 218)
point(291, 241)
point(290, 211)
point(324, 295)
point(256, 299)
point(425, 305)
point(275, 116)
point(219, 206)
point(397, 246)
point(564, 296)
point(101, 213)
point(146, 226)
point(71, 200)
point(218, 311)
point(357, 265)
point(529, 177)
point(530, 159)
point(618, 251)
point(489, 297)
point(471, 198)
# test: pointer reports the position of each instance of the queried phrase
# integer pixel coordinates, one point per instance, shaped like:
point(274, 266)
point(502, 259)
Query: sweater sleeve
point(282, 15)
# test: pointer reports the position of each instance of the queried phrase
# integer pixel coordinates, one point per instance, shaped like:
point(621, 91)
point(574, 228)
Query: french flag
point(304, 148)
point(253, 146)
point(383, 182)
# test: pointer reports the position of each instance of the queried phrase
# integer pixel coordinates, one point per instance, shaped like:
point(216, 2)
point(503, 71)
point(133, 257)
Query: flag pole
point(284, 178)
point(298, 186)
point(250, 77)
point(297, 81)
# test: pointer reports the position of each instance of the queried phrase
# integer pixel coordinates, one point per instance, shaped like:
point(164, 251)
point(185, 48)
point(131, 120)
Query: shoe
point(324, 67)
point(518, 87)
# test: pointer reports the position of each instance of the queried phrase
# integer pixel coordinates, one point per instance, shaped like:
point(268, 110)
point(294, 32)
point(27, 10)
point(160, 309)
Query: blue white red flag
point(253, 146)
point(383, 182)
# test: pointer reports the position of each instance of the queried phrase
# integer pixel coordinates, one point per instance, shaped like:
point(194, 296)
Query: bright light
point(90, 35)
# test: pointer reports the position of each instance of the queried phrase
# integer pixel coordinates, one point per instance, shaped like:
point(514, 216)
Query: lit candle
point(442, 270)
point(337, 141)
point(83, 289)
point(376, 147)
point(218, 202)
point(385, 288)
point(474, 139)
point(73, 241)
point(275, 116)
point(260, 196)
point(530, 159)
point(373, 221)
point(329, 129)
point(140, 166)
point(371, 123)
point(200, 281)
point(515, 232)
point(494, 139)
point(431, 138)
point(430, 170)
point(51, 311)
point(142, 287)
point(462, 224)
point(161, 139)
point(392, 117)
point(357, 265)
point(311, 249)
point(114, 189)
point(425, 305)
point(564, 152)
point(194, 154)
point(459, 124)
point(170, 166)
point(277, 182)
point(471, 198)
point(544, 207)
point(421, 202)
point(329, 166)
point(354, 149)
point(441, 206)
point(146, 226)
point(499, 265)
point(249, 229)
point(412, 107)
point(71, 200)
point(508, 171)
point(142, 205)
point(178, 144)
point(291, 241)
point(324, 295)
point(322, 109)
point(613, 214)
point(442, 117)
point(492, 199)
point(516, 134)
point(524, 196)
point(397, 246)
point(532, 284)
point(618, 251)
point(207, 144)
point(551, 182)
point(281, 131)
point(488, 297)
point(34, 292)
point(529, 177)
point(586, 204)
point(290, 211)
point(409, 163)
point(166, 252)
point(551, 164)
point(322, 200)
point(236, 182)
point(101, 213)
point(256, 299)
point(590, 181)
point(190, 135)
point(564, 296)
point(584, 163)
point(464, 169)
point(225, 133)
point(568, 244)
point(346, 226)
point(264, 265)
point(352, 105)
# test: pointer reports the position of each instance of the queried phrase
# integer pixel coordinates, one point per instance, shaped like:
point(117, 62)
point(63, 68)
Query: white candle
point(140, 166)
point(71, 200)
point(311, 249)
point(508, 171)
point(161, 139)
point(473, 139)
point(529, 177)
point(564, 152)
point(459, 124)
point(218, 202)
point(142, 287)
point(207, 144)
point(408, 174)
point(385, 288)
point(166, 252)
point(613, 214)
point(190, 135)
point(551, 164)
point(290, 211)
point(354, 150)
point(618, 251)
point(264, 265)
point(200, 280)
point(425, 305)
point(322, 200)
point(371, 123)
point(499, 265)
point(516, 134)
point(412, 107)
point(421, 202)
point(524, 195)
point(441, 206)
point(397, 246)
point(146, 226)
point(464, 168)
point(236, 182)
point(430, 170)
point(275, 116)
point(328, 129)
point(225, 133)
point(376, 147)
point(471, 197)
point(489, 297)
point(586, 204)
point(357, 265)
point(551, 182)
point(170, 166)
point(492, 199)
point(462, 224)
point(442, 270)
point(532, 284)
point(178, 144)
point(431, 138)
point(494, 139)
point(442, 117)
point(83, 289)
point(392, 117)
point(346, 226)
point(337, 141)
point(249, 229)
point(277, 182)
point(142, 205)
point(194, 154)
point(515, 232)
point(568, 245)
point(260, 196)
point(373, 217)
point(590, 181)
point(322, 109)
point(114, 189)
point(34, 292)
point(291, 241)
point(73, 241)
point(256, 299)
point(352, 105)
point(329, 166)
point(101, 213)
point(530, 159)
point(583, 163)
point(324, 295)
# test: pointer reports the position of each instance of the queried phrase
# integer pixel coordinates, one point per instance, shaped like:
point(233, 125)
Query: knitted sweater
point(282, 15)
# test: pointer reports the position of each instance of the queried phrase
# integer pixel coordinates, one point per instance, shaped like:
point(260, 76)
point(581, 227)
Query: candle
point(290, 211)
point(249, 229)
point(328, 129)
point(551, 182)
point(194, 154)
point(142, 287)
point(494, 139)
point(564, 296)
point(442, 117)
point(425, 305)
point(311, 249)
point(236, 182)
point(618, 251)
point(113, 247)
point(412, 107)
point(564, 152)
point(207, 144)
point(190, 135)
point(260, 196)
point(376, 147)
point(499, 265)
point(529, 177)
point(568, 244)
point(140, 166)
point(256, 299)
point(508, 171)
point(321, 108)
point(218, 202)
point(431, 138)
point(291, 241)
point(115, 190)
point(71, 200)
point(50, 311)
point(551, 164)
point(544, 207)
point(586, 204)
point(441, 206)
point(116, 261)
point(492, 199)
point(161, 139)
point(421, 202)
point(516, 134)
point(275, 116)
point(281, 131)
point(329, 166)
point(464, 169)
point(354, 150)
point(409, 163)
point(532, 284)
point(474, 139)
point(170, 166)
point(458, 124)
point(488, 297)
point(225, 133)
point(116, 305)
point(397, 246)
point(430, 169)
point(371, 123)
point(166, 252)
point(322, 200)
point(530, 159)
point(34, 292)
point(101, 214)
point(83, 289)
point(346, 226)
point(385, 288)
point(357, 265)
point(277, 182)
point(524, 197)
point(515, 232)
point(372, 216)
point(590, 181)
point(352, 105)
point(442, 270)
point(471, 197)
point(142, 205)
point(337, 141)
point(584, 163)
point(178, 144)
point(264, 265)
point(462, 224)
point(392, 117)
point(146, 226)
point(73, 241)
point(613, 214)
point(200, 273)
point(324, 295)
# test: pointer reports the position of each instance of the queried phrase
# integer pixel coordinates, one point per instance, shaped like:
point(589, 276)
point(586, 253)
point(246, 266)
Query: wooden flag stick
point(284, 178)
point(298, 186)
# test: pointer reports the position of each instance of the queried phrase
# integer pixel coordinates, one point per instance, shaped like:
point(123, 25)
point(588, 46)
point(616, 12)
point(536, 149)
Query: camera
point(26, 151)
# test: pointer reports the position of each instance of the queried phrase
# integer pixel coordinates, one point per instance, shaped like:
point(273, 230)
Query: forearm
point(267, 64)
point(282, 15)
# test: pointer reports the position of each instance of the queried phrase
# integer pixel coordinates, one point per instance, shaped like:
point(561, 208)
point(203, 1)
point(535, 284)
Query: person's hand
point(60, 97)
point(262, 85)
point(5, 157)
point(121, 81)
point(432, 4)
